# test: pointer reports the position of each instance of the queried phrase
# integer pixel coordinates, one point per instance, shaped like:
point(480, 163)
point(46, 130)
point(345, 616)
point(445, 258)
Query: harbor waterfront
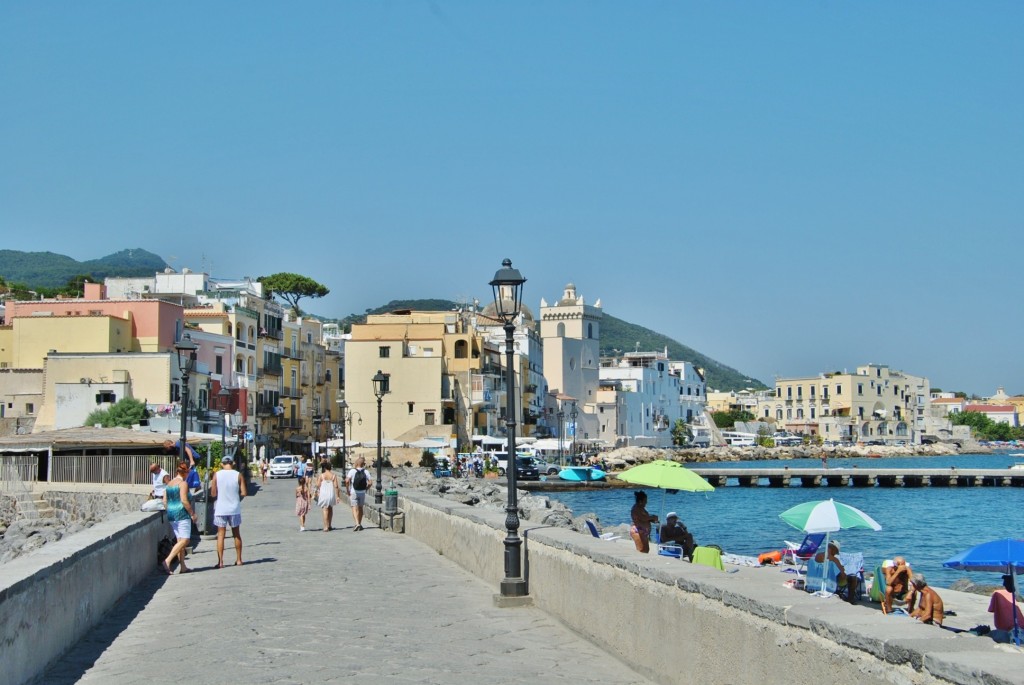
point(927, 525)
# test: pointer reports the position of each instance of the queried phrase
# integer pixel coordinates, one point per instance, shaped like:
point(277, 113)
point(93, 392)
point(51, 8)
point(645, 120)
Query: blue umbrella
point(998, 556)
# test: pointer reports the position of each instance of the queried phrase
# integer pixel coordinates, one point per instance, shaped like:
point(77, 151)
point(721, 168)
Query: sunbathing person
point(640, 531)
point(1002, 606)
point(897, 582)
point(930, 610)
point(846, 585)
point(674, 532)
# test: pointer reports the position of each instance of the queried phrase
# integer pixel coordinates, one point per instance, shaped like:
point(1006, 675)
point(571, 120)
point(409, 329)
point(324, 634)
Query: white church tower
point(571, 333)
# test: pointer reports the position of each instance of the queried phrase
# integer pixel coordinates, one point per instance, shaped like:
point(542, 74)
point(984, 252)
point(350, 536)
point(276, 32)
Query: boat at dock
point(581, 473)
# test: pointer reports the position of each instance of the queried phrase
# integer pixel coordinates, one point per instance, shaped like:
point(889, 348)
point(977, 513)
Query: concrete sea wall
point(50, 599)
point(669, 619)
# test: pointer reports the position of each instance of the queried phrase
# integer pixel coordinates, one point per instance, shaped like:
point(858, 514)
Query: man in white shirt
point(157, 475)
point(228, 487)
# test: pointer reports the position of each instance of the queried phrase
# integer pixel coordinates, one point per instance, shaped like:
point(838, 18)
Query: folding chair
point(800, 554)
point(608, 537)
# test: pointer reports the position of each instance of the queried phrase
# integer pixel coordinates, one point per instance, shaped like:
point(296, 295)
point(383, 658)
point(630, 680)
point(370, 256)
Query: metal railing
point(120, 469)
point(16, 472)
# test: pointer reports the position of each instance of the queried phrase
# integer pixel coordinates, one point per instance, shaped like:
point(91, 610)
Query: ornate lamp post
point(561, 424)
point(508, 292)
point(381, 387)
point(572, 415)
point(186, 350)
point(222, 405)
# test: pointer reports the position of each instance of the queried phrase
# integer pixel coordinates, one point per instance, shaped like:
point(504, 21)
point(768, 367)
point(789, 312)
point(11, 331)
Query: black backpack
point(359, 480)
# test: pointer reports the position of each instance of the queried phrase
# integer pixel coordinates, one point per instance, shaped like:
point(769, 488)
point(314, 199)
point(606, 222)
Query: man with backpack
point(358, 482)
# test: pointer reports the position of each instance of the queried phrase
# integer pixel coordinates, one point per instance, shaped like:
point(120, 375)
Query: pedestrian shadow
point(73, 664)
point(260, 544)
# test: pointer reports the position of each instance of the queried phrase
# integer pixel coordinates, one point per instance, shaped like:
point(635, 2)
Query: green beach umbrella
point(667, 475)
point(827, 516)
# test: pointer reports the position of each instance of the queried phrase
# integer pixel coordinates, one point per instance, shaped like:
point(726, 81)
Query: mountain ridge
point(53, 270)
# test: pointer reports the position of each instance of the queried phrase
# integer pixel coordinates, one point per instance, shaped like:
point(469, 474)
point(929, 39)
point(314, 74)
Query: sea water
point(927, 525)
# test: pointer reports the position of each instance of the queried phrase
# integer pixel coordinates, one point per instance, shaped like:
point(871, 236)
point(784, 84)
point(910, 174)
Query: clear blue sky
point(789, 188)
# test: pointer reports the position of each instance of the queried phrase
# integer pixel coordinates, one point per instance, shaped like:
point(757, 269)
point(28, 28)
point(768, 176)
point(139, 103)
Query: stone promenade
point(331, 607)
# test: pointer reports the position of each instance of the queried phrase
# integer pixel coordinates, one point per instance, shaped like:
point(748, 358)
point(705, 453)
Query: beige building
point(872, 404)
point(21, 396)
point(432, 358)
point(570, 332)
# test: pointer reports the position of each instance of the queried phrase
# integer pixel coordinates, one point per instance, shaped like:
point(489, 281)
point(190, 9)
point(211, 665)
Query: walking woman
point(302, 502)
point(328, 493)
point(181, 516)
point(641, 529)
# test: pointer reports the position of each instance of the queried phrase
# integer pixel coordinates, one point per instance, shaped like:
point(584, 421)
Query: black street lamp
point(381, 387)
point(561, 453)
point(572, 415)
point(223, 397)
point(186, 350)
point(508, 292)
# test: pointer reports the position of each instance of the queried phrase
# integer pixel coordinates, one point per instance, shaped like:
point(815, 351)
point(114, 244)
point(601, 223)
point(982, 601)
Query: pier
point(863, 477)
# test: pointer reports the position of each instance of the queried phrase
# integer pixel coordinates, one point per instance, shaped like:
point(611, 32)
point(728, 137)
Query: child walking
point(302, 502)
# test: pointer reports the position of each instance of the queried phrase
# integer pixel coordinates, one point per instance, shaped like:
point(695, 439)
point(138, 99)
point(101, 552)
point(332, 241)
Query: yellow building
point(873, 404)
point(431, 358)
point(31, 338)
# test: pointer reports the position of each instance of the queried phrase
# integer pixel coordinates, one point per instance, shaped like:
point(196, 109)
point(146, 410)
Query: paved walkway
point(319, 607)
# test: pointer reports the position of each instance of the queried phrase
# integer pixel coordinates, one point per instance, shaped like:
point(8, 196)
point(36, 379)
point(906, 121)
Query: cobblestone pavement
point(317, 607)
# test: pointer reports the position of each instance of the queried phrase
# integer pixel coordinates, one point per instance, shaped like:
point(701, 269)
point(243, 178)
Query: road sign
point(248, 436)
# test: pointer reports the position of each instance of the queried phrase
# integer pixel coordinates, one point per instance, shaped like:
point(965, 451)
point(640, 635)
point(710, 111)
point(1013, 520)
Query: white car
point(284, 466)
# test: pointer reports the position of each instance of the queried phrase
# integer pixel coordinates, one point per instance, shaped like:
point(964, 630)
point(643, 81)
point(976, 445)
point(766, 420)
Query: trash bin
point(391, 502)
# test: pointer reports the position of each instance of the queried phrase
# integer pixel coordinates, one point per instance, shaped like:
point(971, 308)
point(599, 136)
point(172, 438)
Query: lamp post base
point(512, 602)
point(513, 587)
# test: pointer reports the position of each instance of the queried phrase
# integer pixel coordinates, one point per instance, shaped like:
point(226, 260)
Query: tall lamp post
point(508, 292)
point(381, 387)
point(223, 396)
point(561, 425)
point(186, 350)
point(572, 415)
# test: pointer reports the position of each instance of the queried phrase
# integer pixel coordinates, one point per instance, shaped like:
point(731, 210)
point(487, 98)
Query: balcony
point(269, 370)
point(292, 392)
point(304, 379)
point(319, 379)
point(291, 353)
point(272, 333)
point(293, 424)
point(264, 410)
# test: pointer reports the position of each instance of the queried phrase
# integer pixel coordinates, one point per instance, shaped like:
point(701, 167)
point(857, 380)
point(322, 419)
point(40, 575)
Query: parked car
point(526, 469)
point(546, 467)
point(284, 466)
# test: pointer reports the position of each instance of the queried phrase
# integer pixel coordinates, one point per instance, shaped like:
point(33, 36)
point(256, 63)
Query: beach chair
point(853, 562)
point(814, 571)
point(608, 537)
point(674, 551)
point(799, 554)
point(877, 592)
point(708, 556)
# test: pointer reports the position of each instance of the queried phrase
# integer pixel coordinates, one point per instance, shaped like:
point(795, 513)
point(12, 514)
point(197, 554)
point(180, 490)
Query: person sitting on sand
point(640, 531)
point(1002, 607)
point(674, 532)
point(930, 610)
point(897, 582)
point(846, 585)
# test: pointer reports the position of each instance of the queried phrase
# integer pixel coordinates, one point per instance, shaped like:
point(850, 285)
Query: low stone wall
point(50, 599)
point(669, 619)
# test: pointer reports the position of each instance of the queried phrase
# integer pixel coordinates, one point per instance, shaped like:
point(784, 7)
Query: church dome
point(492, 311)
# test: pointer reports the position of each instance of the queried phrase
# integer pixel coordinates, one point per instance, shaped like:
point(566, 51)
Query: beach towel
point(708, 556)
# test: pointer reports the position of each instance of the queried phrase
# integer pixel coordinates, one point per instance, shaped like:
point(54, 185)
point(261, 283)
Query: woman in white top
point(328, 493)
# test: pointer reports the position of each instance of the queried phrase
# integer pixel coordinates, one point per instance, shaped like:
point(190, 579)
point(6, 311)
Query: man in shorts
point(357, 497)
point(228, 487)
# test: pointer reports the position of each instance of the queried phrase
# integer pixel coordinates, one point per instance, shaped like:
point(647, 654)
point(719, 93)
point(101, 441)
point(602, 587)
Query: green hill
point(51, 270)
point(617, 336)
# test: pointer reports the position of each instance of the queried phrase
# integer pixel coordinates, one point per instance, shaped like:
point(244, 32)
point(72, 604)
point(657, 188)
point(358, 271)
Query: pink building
point(156, 324)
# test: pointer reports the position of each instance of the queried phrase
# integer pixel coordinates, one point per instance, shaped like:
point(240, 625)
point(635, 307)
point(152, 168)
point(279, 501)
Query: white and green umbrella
point(827, 516)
